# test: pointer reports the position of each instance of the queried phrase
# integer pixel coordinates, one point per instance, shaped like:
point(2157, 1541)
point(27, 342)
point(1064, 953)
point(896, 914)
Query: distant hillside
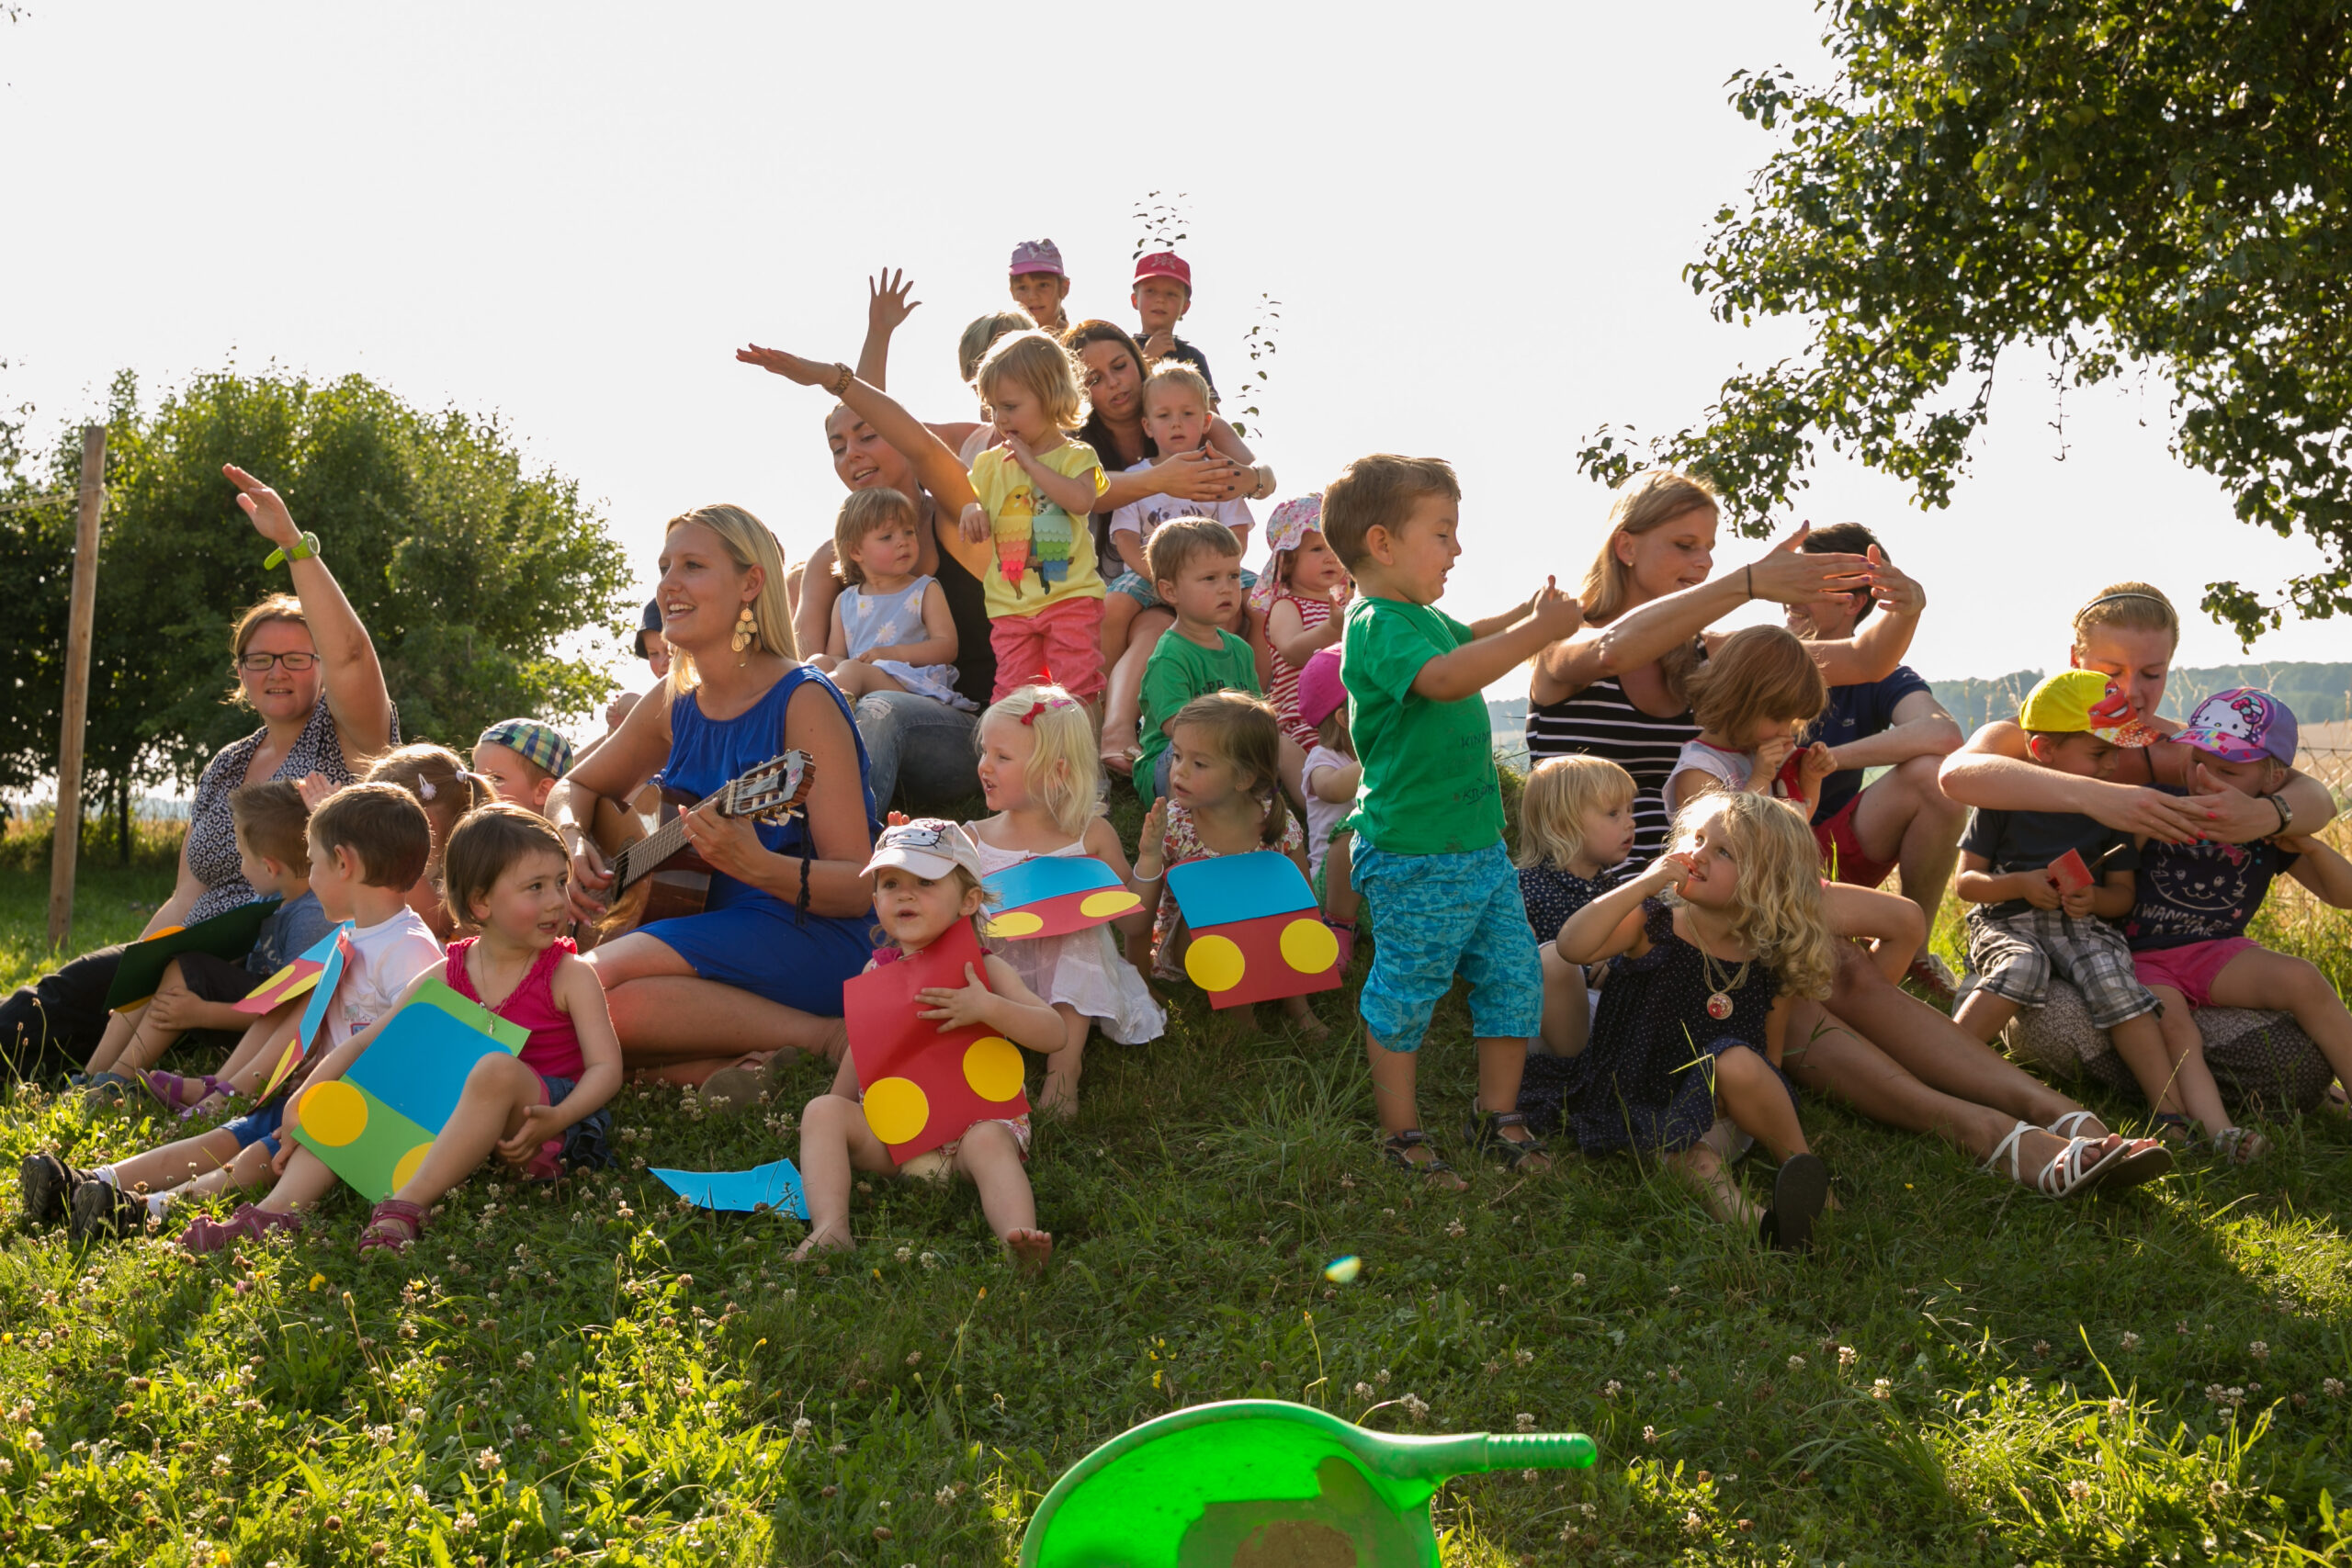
point(2318, 693)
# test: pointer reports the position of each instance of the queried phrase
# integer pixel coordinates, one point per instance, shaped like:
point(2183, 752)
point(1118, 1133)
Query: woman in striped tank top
point(1615, 689)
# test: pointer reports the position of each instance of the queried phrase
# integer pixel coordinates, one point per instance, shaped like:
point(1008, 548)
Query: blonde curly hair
point(1779, 914)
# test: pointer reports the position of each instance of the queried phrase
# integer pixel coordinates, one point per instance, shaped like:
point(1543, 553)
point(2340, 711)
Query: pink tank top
point(553, 1050)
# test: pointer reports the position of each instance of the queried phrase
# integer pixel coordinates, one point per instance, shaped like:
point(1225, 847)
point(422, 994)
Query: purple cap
point(1320, 692)
point(2243, 725)
point(1036, 255)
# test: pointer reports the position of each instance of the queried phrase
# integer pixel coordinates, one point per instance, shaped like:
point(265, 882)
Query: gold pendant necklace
point(1721, 981)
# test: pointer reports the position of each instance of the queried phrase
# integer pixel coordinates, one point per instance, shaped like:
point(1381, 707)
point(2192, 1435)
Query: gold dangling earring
point(747, 632)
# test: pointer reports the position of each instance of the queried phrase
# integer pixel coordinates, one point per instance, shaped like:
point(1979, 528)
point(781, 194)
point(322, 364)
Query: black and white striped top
point(1601, 721)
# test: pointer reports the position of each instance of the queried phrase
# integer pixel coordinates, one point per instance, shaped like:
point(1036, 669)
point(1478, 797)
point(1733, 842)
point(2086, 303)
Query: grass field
point(1965, 1375)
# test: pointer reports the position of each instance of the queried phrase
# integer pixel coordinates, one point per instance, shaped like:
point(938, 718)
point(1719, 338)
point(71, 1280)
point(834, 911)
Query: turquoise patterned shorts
point(1434, 917)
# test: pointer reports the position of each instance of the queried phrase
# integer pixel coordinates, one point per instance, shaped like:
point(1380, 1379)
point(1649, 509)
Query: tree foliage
point(472, 575)
point(2155, 183)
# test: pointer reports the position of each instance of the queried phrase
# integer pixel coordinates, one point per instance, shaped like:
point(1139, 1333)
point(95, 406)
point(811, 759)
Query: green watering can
point(1262, 1483)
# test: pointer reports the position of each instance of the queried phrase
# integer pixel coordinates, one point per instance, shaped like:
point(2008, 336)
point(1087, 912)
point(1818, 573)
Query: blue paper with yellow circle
point(1054, 896)
point(373, 1125)
point(1256, 933)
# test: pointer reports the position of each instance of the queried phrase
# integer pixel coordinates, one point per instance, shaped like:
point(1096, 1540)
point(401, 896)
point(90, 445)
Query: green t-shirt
point(1428, 768)
point(1179, 671)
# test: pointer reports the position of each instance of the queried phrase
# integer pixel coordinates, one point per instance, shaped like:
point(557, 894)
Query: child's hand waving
point(960, 1007)
point(1151, 843)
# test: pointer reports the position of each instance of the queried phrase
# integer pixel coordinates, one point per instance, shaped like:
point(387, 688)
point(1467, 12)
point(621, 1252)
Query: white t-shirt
point(1322, 815)
point(1731, 767)
point(1141, 517)
point(384, 959)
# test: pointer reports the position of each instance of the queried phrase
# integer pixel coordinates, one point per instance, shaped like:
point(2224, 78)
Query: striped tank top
point(1312, 613)
point(1601, 721)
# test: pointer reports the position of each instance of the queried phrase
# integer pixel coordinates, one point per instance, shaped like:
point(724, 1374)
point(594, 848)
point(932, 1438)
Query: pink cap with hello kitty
point(2243, 725)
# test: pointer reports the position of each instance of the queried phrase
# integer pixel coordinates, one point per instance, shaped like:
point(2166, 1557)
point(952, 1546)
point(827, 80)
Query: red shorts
point(1062, 645)
point(2189, 969)
point(1842, 852)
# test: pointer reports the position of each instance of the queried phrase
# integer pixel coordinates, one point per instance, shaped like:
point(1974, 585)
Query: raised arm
point(1612, 924)
point(354, 680)
point(1873, 653)
point(1472, 667)
point(1991, 773)
point(1784, 574)
point(1296, 640)
point(2321, 869)
point(1200, 476)
point(886, 306)
point(935, 464)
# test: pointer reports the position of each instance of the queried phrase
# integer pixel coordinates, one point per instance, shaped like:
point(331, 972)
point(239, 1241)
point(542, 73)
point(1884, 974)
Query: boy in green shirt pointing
point(1429, 816)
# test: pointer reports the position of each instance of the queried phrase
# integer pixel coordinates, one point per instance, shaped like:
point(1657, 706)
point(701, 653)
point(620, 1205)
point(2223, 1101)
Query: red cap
point(1166, 264)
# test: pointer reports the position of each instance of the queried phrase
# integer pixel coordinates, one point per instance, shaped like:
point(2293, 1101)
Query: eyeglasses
point(259, 663)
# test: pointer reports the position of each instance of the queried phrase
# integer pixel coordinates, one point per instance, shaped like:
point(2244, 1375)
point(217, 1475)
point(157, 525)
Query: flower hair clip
point(425, 790)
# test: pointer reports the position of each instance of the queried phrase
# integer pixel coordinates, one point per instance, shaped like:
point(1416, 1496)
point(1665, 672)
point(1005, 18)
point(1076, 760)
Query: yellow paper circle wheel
point(992, 1066)
point(1309, 947)
point(408, 1161)
point(334, 1113)
point(1215, 963)
point(897, 1110)
point(1016, 922)
point(1109, 901)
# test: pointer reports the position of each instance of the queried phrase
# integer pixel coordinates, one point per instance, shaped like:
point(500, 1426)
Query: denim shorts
point(255, 1126)
point(1138, 588)
point(1434, 917)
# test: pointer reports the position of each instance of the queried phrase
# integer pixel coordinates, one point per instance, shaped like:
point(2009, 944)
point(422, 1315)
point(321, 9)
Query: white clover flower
point(488, 1460)
point(1525, 1422)
point(1882, 1388)
point(1522, 1357)
point(2129, 1341)
point(943, 1497)
point(2258, 1351)
point(1416, 1406)
point(1577, 1281)
point(2332, 1387)
point(1846, 1356)
point(1363, 1390)
point(1649, 1434)
point(2078, 1489)
point(1797, 1363)
point(466, 1520)
point(801, 1428)
point(1612, 1388)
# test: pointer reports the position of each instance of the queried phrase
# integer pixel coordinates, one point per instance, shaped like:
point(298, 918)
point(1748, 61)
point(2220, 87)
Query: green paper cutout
point(473, 1014)
point(229, 934)
point(369, 1161)
point(1252, 1481)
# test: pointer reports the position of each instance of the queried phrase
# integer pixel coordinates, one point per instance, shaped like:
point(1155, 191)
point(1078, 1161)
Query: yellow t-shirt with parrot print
point(1042, 554)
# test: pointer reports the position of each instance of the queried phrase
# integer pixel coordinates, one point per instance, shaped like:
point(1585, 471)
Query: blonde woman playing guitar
point(789, 912)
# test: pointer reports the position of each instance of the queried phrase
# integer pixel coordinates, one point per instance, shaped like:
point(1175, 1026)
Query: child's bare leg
point(498, 1090)
point(257, 1056)
point(989, 1157)
point(120, 1028)
point(1123, 697)
point(1301, 1012)
point(1060, 1097)
point(1717, 1190)
point(158, 1170)
point(2181, 1083)
point(834, 1138)
point(1340, 901)
point(1119, 613)
point(306, 1180)
point(2176, 1024)
point(249, 1171)
point(148, 1040)
point(856, 678)
point(1984, 1015)
point(1751, 1094)
point(2258, 977)
point(1293, 766)
point(1568, 1015)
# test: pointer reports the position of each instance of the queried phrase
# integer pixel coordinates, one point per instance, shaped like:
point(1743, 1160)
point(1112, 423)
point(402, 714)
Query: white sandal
point(2064, 1177)
point(2066, 1125)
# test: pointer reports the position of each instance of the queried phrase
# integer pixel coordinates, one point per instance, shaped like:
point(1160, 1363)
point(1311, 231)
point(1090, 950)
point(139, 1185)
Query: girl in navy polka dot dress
point(1576, 822)
point(1710, 943)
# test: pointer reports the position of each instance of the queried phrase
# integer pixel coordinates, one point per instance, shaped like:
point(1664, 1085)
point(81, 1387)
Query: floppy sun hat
point(928, 846)
point(2084, 702)
point(1320, 692)
point(2243, 725)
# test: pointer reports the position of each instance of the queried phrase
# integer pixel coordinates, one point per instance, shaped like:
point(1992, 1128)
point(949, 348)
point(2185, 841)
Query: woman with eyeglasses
point(305, 666)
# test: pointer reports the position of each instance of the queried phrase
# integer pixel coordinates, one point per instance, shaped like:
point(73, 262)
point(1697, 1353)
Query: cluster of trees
point(2120, 183)
point(475, 577)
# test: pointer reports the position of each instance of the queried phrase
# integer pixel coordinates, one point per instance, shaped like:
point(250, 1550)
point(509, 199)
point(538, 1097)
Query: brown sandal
point(393, 1211)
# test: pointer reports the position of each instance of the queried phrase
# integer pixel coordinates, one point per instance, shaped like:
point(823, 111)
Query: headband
point(1042, 704)
point(2131, 593)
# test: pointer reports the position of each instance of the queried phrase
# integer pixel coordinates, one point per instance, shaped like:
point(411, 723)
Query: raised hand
point(1819, 762)
point(1556, 615)
point(1892, 590)
point(791, 366)
point(974, 522)
point(1152, 841)
point(264, 506)
point(1788, 574)
point(886, 304)
point(1766, 761)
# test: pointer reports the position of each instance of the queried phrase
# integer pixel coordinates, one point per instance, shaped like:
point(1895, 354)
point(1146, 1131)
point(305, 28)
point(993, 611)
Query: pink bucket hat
point(1320, 692)
point(2243, 725)
point(1036, 255)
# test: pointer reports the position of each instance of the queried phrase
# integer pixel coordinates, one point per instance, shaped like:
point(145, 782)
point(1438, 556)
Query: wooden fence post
point(67, 841)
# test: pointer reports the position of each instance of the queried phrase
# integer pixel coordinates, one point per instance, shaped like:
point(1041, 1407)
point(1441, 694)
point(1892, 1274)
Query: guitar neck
point(650, 853)
point(643, 858)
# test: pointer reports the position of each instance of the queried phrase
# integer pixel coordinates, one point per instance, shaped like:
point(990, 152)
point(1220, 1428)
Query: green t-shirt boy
point(1430, 786)
point(1179, 671)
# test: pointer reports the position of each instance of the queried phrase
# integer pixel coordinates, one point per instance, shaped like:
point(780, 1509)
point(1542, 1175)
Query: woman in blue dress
point(790, 909)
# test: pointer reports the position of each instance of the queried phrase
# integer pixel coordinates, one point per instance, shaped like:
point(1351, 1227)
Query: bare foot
point(1303, 1018)
point(1059, 1097)
point(822, 1241)
point(1030, 1250)
point(1120, 760)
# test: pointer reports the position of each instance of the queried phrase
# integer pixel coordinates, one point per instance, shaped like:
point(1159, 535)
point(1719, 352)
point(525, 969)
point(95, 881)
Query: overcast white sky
point(1475, 218)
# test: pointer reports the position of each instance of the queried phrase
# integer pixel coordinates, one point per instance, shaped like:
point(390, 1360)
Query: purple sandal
point(393, 1211)
point(208, 1235)
point(183, 1095)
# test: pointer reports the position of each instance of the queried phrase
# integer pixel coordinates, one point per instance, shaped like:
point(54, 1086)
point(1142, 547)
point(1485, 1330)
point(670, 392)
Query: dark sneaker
point(103, 1210)
point(47, 1184)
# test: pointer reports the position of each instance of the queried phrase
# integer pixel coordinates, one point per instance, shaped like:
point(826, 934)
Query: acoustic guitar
point(657, 875)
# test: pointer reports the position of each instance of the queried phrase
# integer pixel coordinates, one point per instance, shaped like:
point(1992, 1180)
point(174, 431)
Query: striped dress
point(1601, 721)
point(1312, 613)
